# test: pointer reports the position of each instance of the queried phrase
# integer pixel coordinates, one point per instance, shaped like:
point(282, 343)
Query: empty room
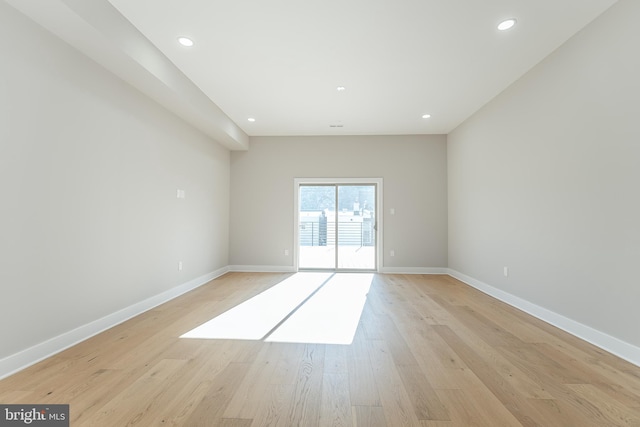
point(287, 213)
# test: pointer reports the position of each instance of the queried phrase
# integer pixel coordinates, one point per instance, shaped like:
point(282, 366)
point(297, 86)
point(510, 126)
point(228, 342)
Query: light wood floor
point(428, 351)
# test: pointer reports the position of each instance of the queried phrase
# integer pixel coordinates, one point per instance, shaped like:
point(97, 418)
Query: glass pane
point(316, 226)
point(356, 227)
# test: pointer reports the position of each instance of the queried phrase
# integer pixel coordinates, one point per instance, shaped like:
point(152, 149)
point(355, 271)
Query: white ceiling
point(280, 61)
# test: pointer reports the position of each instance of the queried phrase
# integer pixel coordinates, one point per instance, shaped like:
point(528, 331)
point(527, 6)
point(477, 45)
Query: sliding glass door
point(316, 227)
point(337, 226)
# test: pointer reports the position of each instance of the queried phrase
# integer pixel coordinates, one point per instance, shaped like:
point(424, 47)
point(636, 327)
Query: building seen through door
point(337, 226)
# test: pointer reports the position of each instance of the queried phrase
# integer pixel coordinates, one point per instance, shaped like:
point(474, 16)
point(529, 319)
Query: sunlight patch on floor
point(331, 316)
point(254, 318)
point(309, 307)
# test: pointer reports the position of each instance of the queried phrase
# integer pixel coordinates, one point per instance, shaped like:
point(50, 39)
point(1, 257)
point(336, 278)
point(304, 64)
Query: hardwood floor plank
point(617, 378)
point(15, 396)
point(558, 384)
point(146, 390)
point(397, 404)
point(398, 347)
point(530, 355)
point(335, 409)
point(557, 413)
point(305, 407)
point(335, 359)
point(369, 325)
point(177, 411)
point(364, 390)
point(286, 371)
point(90, 395)
point(613, 411)
point(426, 404)
point(211, 407)
point(431, 347)
point(476, 408)
point(510, 397)
point(581, 371)
point(274, 407)
point(245, 400)
point(368, 416)
point(438, 424)
point(235, 422)
point(518, 379)
point(489, 331)
point(427, 286)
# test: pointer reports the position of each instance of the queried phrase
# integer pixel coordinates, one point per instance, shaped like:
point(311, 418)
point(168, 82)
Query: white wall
point(89, 170)
point(546, 180)
point(413, 169)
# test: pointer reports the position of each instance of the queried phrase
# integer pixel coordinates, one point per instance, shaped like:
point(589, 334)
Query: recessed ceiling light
point(185, 41)
point(340, 88)
point(426, 116)
point(251, 119)
point(506, 24)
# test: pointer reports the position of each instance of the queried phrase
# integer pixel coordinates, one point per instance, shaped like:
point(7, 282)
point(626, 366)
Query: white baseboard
point(25, 358)
point(606, 342)
point(291, 269)
point(413, 270)
point(262, 268)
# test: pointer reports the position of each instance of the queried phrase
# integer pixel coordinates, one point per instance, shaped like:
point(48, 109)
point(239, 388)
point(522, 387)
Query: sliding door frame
point(379, 210)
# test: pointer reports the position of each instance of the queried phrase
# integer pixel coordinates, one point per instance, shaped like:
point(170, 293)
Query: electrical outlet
point(506, 271)
point(392, 252)
point(286, 252)
point(179, 265)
